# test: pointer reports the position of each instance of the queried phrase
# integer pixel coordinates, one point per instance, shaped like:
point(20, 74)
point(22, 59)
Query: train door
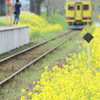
point(78, 11)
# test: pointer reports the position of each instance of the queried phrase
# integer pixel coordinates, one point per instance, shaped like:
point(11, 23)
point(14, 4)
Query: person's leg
point(14, 20)
point(17, 19)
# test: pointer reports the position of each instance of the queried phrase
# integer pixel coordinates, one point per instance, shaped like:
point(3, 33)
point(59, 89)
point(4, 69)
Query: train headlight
point(68, 18)
point(88, 18)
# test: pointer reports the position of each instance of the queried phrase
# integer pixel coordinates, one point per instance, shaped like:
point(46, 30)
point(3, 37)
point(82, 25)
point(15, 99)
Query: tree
point(53, 5)
point(48, 6)
point(2, 7)
point(35, 6)
point(58, 5)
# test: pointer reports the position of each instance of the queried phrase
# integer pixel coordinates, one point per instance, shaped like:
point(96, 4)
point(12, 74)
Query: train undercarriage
point(77, 25)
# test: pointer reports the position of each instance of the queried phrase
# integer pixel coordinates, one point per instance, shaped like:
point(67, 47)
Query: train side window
point(70, 7)
point(85, 7)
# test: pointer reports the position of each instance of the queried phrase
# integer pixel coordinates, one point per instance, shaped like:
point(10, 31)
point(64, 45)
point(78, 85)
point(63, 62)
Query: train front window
point(85, 7)
point(70, 7)
point(78, 7)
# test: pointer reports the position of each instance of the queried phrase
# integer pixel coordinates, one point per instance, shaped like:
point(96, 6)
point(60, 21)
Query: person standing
point(17, 6)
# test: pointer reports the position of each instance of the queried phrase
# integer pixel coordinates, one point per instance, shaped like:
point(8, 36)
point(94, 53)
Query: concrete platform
point(12, 37)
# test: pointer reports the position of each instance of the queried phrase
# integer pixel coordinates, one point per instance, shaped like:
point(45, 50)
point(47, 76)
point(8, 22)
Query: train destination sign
point(88, 37)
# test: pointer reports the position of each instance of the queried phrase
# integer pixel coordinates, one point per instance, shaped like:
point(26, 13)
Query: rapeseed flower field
point(39, 27)
point(74, 81)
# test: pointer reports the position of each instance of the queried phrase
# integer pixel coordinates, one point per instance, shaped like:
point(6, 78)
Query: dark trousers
point(16, 18)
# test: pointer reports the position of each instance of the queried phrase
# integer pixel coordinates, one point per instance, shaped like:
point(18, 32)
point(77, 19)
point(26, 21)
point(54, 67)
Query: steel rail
point(23, 68)
point(31, 48)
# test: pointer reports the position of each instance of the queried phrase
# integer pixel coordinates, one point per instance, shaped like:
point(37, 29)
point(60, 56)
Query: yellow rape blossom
point(23, 98)
point(46, 68)
point(23, 90)
point(74, 81)
point(30, 94)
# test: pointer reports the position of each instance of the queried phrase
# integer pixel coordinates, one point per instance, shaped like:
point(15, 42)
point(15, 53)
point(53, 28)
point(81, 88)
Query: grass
point(12, 91)
point(56, 19)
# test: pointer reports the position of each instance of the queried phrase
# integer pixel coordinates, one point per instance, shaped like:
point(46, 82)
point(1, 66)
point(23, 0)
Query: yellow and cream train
point(78, 13)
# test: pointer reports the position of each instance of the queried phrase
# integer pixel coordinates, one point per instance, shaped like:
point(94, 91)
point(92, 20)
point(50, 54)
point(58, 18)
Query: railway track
point(18, 62)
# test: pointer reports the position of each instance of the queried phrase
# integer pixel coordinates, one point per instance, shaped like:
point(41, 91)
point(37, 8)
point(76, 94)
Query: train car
point(78, 13)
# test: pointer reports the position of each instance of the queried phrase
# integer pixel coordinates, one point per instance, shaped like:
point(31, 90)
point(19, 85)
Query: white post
point(88, 55)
